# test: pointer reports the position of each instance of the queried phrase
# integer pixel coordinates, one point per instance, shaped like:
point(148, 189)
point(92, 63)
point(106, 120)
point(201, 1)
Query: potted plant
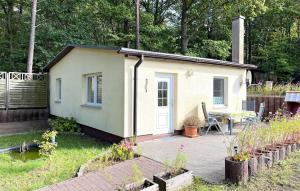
point(175, 175)
point(237, 163)
point(191, 125)
point(139, 183)
point(236, 168)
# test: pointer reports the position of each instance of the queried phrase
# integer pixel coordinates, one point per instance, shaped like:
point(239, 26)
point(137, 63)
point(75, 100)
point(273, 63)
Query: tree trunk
point(137, 24)
point(32, 37)
point(126, 31)
point(184, 23)
point(249, 43)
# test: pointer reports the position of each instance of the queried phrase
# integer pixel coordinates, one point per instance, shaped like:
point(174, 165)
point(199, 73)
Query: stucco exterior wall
point(71, 69)
point(193, 84)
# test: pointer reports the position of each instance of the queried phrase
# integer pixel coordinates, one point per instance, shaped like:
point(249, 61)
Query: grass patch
point(283, 176)
point(16, 140)
point(72, 151)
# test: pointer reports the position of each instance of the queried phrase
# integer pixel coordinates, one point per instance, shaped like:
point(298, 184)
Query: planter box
point(149, 186)
point(288, 149)
point(260, 161)
point(275, 154)
point(252, 166)
point(294, 147)
point(281, 149)
point(236, 172)
point(176, 183)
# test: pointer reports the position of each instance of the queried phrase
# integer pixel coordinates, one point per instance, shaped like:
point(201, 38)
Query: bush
point(64, 124)
point(122, 152)
point(46, 146)
point(277, 90)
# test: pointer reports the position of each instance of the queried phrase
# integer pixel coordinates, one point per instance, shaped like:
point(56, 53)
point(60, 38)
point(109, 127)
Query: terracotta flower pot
point(235, 171)
point(191, 131)
point(252, 166)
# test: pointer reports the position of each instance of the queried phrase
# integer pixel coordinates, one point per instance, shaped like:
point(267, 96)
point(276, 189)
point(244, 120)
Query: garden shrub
point(64, 124)
point(176, 167)
point(123, 151)
point(46, 146)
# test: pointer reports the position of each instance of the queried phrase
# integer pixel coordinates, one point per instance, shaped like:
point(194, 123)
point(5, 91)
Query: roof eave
point(133, 52)
point(69, 48)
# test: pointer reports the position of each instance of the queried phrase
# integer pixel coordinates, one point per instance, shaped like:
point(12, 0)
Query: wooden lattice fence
point(272, 103)
point(3, 77)
point(27, 90)
point(23, 96)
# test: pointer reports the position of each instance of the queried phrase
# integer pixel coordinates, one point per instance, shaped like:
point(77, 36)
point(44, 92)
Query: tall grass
point(277, 90)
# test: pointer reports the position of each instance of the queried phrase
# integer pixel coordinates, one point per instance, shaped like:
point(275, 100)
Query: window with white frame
point(219, 91)
point(58, 89)
point(94, 89)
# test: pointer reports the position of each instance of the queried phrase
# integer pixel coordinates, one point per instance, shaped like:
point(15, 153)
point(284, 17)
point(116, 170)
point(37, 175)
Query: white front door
point(164, 103)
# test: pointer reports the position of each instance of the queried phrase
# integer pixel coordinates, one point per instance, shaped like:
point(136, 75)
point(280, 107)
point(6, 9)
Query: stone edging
point(9, 149)
point(83, 167)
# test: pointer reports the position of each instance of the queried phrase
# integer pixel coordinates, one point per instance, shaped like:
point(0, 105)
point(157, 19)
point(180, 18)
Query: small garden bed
point(73, 150)
point(113, 155)
point(260, 147)
point(285, 175)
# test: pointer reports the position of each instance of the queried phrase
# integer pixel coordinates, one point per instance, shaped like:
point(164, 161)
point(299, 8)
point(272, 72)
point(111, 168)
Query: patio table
point(231, 116)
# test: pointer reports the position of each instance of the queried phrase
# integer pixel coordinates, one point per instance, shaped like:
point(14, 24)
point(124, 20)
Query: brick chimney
point(238, 32)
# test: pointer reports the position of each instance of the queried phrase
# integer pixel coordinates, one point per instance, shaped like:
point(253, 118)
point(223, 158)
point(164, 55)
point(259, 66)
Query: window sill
point(221, 106)
point(57, 101)
point(97, 106)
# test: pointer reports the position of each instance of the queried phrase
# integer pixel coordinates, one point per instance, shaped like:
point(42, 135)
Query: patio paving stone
point(205, 154)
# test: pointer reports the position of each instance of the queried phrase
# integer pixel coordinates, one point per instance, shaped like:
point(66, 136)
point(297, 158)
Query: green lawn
point(283, 176)
point(72, 151)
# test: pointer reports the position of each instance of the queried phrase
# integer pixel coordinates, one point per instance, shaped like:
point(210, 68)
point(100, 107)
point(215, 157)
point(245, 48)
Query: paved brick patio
point(109, 178)
point(205, 154)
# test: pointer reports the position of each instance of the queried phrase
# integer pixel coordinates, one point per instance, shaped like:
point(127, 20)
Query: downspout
point(141, 60)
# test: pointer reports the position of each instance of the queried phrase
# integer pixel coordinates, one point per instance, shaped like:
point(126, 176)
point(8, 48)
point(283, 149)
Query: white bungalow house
point(119, 92)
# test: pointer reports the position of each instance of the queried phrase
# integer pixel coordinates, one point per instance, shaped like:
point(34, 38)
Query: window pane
point(159, 85)
point(90, 90)
point(58, 89)
point(159, 93)
point(165, 85)
point(165, 102)
point(99, 89)
point(165, 93)
point(159, 102)
point(218, 93)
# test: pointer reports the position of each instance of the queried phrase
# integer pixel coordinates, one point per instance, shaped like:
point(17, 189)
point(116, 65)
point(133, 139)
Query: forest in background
point(191, 27)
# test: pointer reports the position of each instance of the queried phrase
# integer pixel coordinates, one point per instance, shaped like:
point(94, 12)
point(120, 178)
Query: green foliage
point(272, 30)
point(122, 152)
point(73, 151)
point(280, 130)
point(46, 146)
point(241, 156)
point(176, 166)
point(137, 174)
point(64, 124)
point(212, 49)
point(278, 89)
